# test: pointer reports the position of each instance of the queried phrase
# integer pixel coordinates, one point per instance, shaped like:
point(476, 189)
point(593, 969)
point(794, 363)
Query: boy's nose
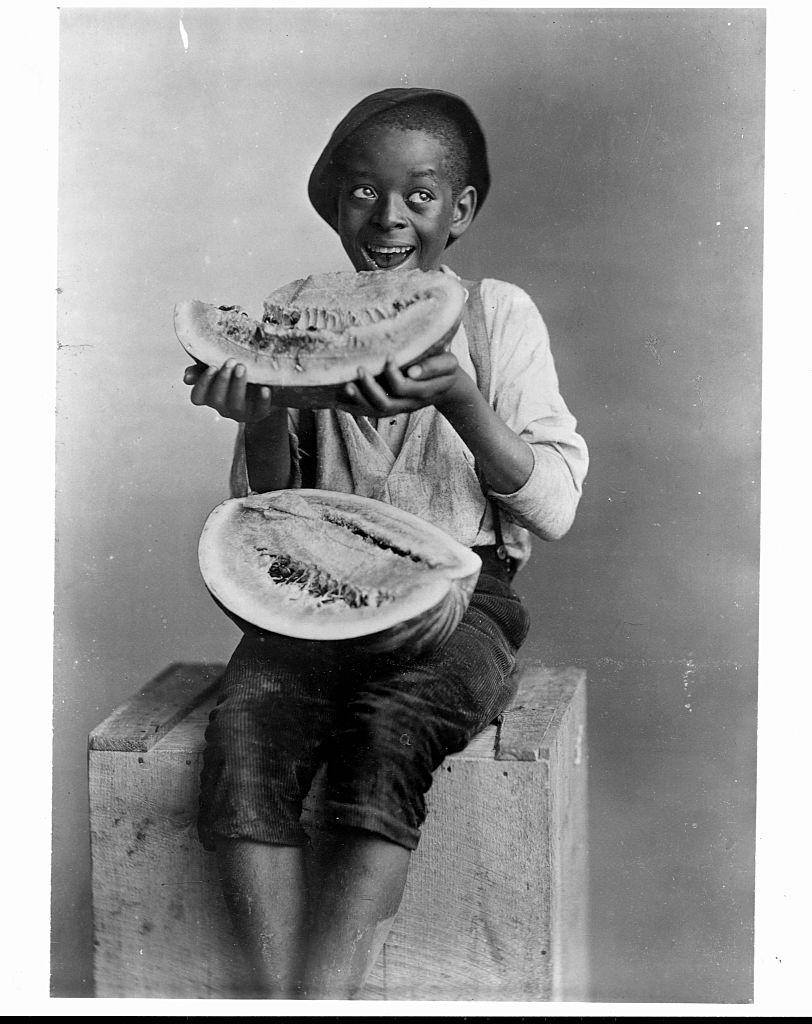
point(389, 212)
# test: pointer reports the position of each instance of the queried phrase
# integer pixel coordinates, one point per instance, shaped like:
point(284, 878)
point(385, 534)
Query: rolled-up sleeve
point(525, 393)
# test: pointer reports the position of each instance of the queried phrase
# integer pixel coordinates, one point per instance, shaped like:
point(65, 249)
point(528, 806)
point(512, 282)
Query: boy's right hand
point(226, 391)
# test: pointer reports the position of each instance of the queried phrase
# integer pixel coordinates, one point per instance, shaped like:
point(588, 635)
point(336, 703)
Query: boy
point(401, 178)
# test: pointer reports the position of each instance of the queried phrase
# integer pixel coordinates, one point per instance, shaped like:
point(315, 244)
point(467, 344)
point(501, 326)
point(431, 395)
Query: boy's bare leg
point(266, 893)
point(361, 892)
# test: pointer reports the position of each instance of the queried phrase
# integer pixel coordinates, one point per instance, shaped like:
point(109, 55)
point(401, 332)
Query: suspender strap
point(476, 330)
point(306, 433)
point(473, 320)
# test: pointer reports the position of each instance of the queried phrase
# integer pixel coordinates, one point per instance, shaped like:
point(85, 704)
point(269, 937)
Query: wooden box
point(495, 906)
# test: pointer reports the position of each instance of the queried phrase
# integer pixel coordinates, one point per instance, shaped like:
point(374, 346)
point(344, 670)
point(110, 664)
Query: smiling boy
point(477, 440)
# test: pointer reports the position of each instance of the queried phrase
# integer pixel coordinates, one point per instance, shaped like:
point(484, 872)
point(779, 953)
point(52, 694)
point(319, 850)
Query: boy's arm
point(533, 482)
point(505, 460)
point(267, 452)
point(267, 445)
point(525, 393)
point(527, 449)
point(530, 477)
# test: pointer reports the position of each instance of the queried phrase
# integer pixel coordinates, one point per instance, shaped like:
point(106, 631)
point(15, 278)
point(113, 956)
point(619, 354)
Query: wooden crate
point(495, 906)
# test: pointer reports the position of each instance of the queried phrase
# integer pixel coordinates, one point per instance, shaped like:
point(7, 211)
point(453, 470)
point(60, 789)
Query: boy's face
point(395, 205)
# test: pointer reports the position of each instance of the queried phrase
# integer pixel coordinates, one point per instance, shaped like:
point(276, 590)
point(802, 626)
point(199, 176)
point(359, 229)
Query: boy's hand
point(226, 391)
point(430, 382)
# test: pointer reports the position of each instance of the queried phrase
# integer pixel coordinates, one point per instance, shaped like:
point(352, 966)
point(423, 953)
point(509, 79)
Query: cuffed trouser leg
point(395, 727)
point(262, 748)
point(382, 728)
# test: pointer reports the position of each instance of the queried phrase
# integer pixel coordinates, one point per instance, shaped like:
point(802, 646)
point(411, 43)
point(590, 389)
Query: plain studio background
point(627, 154)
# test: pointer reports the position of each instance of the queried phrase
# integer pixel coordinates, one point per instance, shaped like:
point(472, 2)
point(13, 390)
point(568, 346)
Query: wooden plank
point(481, 747)
point(474, 923)
point(160, 925)
point(568, 765)
point(139, 723)
point(535, 715)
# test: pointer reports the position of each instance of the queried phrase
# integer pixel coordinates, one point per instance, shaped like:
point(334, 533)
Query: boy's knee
point(392, 730)
point(380, 768)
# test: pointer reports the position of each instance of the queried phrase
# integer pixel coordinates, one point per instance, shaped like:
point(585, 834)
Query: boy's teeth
point(387, 257)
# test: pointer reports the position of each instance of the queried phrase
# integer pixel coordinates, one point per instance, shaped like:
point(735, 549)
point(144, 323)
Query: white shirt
point(419, 462)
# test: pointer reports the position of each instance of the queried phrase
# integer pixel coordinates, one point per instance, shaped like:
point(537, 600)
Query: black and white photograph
point(407, 475)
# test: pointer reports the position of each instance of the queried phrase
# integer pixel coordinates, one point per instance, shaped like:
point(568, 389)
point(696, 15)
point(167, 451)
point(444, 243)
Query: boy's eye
point(363, 192)
point(420, 196)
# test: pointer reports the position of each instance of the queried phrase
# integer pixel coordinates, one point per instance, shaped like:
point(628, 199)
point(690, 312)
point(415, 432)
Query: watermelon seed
point(319, 584)
point(379, 542)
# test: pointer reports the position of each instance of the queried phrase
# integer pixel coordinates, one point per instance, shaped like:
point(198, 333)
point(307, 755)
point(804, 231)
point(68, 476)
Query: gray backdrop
point(626, 150)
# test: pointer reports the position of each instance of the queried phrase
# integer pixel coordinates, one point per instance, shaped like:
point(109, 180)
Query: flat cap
point(321, 187)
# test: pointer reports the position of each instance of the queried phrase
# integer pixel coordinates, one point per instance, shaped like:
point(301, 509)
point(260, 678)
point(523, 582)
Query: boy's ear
point(464, 210)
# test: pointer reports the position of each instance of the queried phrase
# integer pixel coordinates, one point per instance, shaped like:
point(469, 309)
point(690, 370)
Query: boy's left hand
point(429, 382)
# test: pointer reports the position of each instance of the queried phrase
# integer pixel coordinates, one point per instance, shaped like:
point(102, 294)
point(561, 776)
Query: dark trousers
point(381, 728)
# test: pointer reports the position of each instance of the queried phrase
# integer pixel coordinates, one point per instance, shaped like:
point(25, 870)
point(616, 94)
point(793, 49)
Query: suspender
point(476, 331)
point(473, 320)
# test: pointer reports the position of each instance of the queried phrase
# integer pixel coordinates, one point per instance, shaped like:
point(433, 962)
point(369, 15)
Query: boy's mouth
point(387, 257)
